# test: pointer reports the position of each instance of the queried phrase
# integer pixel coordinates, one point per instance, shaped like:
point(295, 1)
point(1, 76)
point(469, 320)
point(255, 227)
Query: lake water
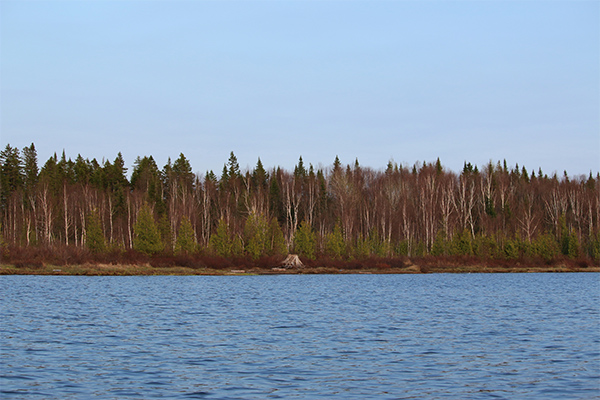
point(448, 336)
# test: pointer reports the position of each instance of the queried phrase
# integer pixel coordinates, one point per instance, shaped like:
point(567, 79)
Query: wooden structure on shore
point(292, 261)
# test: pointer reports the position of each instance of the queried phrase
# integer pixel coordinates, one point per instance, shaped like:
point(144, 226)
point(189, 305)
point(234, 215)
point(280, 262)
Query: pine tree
point(95, 240)
point(185, 242)
point(147, 237)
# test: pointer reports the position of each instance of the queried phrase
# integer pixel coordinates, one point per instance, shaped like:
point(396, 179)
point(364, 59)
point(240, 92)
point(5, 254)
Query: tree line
point(339, 211)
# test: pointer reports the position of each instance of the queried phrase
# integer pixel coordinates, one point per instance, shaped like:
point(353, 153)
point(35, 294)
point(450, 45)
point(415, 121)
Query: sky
point(375, 81)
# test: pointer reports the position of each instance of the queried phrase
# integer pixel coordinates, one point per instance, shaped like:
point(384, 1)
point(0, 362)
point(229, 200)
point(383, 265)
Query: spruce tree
point(334, 242)
point(305, 241)
point(31, 170)
point(255, 234)
point(11, 173)
point(220, 242)
point(277, 244)
point(95, 240)
point(147, 237)
point(185, 242)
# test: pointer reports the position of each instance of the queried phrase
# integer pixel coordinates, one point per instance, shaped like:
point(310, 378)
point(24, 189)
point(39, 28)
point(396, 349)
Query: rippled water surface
point(476, 336)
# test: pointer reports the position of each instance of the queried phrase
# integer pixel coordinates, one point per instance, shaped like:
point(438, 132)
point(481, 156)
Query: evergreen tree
point(220, 242)
point(594, 246)
point(255, 235)
point(277, 240)
point(462, 244)
point(82, 170)
point(146, 177)
point(337, 165)
point(438, 166)
point(259, 176)
point(31, 170)
point(117, 174)
point(299, 170)
point(233, 167)
point(95, 240)
point(147, 237)
point(305, 241)
point(546, 247)
point(275, 201)
point(439, 247)
point(182, 170)
point(166, 234)
point(186, 242)
point(570, 245)
point(11, 177)
point(511, 248)
point(334, 242)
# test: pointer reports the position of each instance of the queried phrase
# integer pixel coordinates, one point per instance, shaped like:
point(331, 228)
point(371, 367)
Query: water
point(475, 336)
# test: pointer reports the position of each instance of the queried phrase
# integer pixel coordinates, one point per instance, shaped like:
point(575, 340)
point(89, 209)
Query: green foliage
point(594, 246)
point(420, 249)
point(259, 176)
point(166, 234)
point(182, 173)
point(527, 249)
point(275, 199)
point(511, 248)
point(570, 245)
point(402, 248)
point(30, 168)
point(233, 170)
point(485, 246)
point(440, 245)
point(462, 244)
point(277, 240)
point(546, 247)
point(361, 248)
point(95, 240)
point(334, 242)
point(305, 241)
point(220, 242)
point(489, 207)
point(186, 240)
point(256, 232)
point(11, 176)
point(147, 238)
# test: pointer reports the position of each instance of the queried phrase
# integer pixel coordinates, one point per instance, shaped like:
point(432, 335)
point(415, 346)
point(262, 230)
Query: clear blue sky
point(403, 80)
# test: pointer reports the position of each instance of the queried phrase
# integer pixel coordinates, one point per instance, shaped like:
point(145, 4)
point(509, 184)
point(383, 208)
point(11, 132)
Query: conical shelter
point(292, 261)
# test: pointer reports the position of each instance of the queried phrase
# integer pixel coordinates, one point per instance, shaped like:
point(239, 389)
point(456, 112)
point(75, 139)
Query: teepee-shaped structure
point(292, 261)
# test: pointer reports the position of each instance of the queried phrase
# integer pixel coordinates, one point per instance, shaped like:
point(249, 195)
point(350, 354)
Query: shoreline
point(99, 269)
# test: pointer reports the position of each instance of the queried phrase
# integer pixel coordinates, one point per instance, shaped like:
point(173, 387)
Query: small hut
point(292, 261)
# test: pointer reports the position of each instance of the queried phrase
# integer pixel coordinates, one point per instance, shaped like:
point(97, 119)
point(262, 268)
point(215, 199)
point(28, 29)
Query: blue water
point(473, 336)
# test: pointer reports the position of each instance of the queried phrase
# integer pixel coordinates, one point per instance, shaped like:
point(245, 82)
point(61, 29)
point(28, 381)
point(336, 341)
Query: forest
point(88, 210)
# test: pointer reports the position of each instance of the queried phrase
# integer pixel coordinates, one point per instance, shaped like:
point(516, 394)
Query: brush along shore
point(182, 266)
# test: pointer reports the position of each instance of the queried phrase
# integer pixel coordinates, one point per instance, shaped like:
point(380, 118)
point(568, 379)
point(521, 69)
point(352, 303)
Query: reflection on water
point(343, 336)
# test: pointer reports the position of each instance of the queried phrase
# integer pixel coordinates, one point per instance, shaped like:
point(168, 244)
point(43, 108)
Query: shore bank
point(420, 266)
